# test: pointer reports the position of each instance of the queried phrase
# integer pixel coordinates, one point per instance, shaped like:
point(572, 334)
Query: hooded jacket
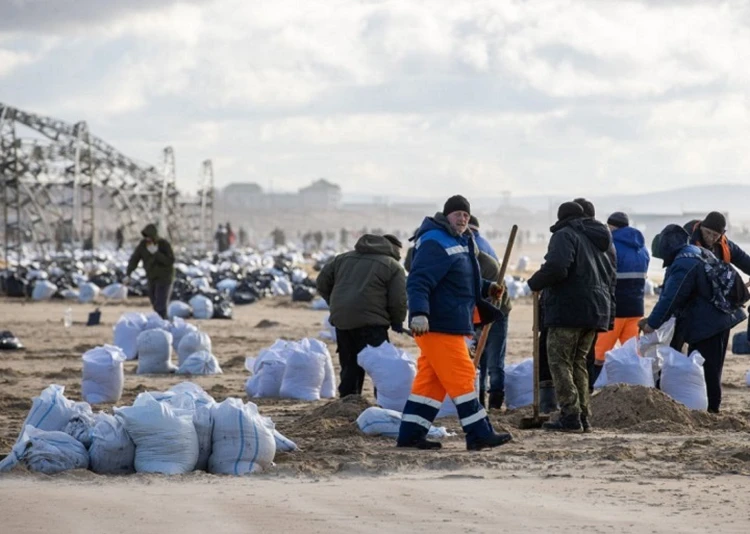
point(445, 283)
point(577, 275)
point(724, 249)
point(687, 291)
point(366, 286)
point(632, 267)
point(160, 265)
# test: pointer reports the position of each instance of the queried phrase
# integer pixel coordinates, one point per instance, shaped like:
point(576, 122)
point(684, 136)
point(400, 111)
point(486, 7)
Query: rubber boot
point(496, 400)
point(565, 423)
point(493, 440)
point(422, 444)
point(547, 397)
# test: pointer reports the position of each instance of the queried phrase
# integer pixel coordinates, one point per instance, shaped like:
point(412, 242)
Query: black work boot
point(565, 423)
point(483, 398)
point(493, 440)
point(422, 444)
point(585, 423)
point(547, 397)
point(496, 400)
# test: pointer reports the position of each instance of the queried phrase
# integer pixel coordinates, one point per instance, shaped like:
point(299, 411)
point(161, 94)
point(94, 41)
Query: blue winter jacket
point(687, 290)
point(444, 282)
point(632, 267)
point(483, 244)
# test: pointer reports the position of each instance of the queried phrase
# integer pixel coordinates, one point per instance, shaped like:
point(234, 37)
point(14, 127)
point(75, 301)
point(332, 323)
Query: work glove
point(152, 248)
point(496, 290)
point(419, 325)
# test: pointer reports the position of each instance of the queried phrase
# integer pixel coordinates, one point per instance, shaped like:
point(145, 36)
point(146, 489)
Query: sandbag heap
point(292, 369)
point(172, 432)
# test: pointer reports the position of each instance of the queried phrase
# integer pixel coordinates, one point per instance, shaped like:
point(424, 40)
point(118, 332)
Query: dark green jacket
point(159, 266)
point(365, 287)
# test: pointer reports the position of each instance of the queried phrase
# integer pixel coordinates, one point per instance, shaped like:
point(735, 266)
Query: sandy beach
point(650, 466)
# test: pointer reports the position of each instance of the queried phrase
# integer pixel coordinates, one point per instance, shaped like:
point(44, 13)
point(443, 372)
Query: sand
point(650, 466)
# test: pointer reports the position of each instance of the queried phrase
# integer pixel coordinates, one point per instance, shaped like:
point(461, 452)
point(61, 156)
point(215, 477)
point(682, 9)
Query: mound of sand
point(335, 417)
point(624, 406)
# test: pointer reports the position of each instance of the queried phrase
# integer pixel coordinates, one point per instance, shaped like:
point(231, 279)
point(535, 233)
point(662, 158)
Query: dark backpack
point(728, 291)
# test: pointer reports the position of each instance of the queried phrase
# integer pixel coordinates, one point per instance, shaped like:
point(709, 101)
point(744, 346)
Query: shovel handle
point(535, 333)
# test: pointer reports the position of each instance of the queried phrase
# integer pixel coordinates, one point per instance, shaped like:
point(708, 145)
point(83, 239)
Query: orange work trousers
point(625, 328)
point(444, 366)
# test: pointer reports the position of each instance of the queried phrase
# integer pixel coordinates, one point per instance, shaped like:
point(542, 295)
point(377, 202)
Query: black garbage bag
point(302, 293)
point(246, 293)
point(9, 342)
point(15, 286)
point(223, 308)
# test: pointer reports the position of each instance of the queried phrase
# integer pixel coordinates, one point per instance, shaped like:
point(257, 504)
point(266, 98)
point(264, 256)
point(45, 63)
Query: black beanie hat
point(456, 203)
point(569, 209)
point(587, 205)
point(715, 221)
point(393, 239)
point(473, 221)
point(619, 220)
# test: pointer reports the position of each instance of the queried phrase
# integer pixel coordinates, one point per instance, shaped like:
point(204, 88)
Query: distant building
point(320, 195)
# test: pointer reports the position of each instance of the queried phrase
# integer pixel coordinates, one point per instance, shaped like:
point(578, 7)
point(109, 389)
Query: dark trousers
point(594, 370)
point(713, 350)
point(350, 343)
point(158, 295)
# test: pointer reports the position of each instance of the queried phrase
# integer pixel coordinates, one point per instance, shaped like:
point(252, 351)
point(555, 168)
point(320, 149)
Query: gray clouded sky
point(399, 97)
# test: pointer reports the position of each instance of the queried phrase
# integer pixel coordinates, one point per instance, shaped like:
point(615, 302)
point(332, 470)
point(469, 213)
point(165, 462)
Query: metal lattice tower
point(207, 221)
point(9, 171)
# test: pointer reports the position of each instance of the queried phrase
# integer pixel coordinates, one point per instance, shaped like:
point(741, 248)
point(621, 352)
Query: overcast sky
point(399, 97)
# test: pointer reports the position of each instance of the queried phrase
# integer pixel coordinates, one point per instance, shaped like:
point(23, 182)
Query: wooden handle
point(535, 345)
point(500, 278)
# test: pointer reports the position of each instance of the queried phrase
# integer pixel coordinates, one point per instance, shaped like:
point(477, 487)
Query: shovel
point(536, 419)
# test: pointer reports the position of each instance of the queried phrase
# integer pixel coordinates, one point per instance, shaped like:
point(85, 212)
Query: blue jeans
point(493, 357)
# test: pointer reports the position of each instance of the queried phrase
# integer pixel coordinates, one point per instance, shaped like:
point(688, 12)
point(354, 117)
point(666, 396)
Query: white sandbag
point(69, 294)
point(204, 426)
point(376, 421)
point(624, 366)
point(165, 438)
point(194, 391)
point(50, 410)
point(200, 363)
point(203, 307)
point(136, 318)
point(392, 372)
point(283, 444)
point(281, 287)
point(648, 344)
point(155, 352)
point(80, 426)
point(111, 452)
point(683, 379)
point(523, 264)
point(155, 322)
point(268, 372)
point(649, 288)
point(88, 292)
point(103, 374)
point(191, 343)
point(243, 441)
point(519, 384)
point(49, 452)
point(228, 284)
point(328, 388)
point(43, 290)
point(126, 334)
point(303, 375)
point(115, 292)
point(180, 309)
point(329, 331)
point(448, 408)
point(320, 304)
point(180, 329)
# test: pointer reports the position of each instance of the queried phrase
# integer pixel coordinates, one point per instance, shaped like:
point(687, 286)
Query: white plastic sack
point(268, 372)
point(191, 343)
point(329, 331)
point(228, 284)
point(392, 372)
point(194, 391)
point(376, 421)
point(69, 294)
point(624, 366)
point(203, 307)
point(180, 329)
point(328, 388)
point(154, 322)
point(180, 309)
point(112, 452)
point(43, 290)
point(602, 380)
point(115, 292)
point(303, 375)
point(103, 374)
point(49, 452)
point(50, 410)
point(126, 335)
point(165, 438)
point(155, 352)
point(200, 363)
point(319, 303)
point(284, 444)
point(281, 287)
point(649, 343)
point(243, 441)
point(519, 384)
point(88, 292)
point(682, 378)
point(136, 318)
point(80, 426)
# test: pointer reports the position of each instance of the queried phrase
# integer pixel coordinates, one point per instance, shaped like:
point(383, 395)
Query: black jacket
point(577, 275)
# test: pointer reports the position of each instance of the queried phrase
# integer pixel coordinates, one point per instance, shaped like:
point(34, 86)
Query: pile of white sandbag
point(292, 369)
point(171, 432)
point(376, 421)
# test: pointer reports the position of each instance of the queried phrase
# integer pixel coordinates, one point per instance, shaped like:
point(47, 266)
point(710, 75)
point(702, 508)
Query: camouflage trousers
point(567, 349)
